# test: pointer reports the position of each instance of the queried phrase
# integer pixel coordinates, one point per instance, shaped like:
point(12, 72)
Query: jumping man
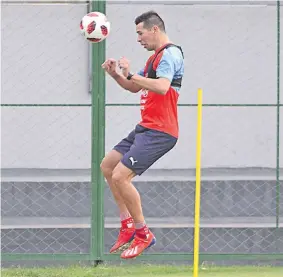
point(156, 134)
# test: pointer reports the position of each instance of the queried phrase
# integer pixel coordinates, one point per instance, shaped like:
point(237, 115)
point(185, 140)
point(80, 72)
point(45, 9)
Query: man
point(156, 134)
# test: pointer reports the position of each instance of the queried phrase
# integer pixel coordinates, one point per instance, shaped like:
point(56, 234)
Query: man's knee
point(106, 168)
point(122, 175)
point(109, 162)
point(118, 178)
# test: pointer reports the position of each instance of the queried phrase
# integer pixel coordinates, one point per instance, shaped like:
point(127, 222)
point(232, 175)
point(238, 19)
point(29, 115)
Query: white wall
point(230, 52)
point(45, 60)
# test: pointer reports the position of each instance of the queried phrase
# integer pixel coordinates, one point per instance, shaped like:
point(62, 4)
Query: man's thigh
point(110, 161)
point(148, 147)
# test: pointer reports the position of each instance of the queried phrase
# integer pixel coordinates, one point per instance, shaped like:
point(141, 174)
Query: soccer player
point(156, 134)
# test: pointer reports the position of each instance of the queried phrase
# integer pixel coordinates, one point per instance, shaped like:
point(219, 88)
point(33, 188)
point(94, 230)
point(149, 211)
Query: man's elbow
point(164, 86)
point(134, 89)
point(164, 89)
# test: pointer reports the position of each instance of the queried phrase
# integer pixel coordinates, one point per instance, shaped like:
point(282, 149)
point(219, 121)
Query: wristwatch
point(130, 75)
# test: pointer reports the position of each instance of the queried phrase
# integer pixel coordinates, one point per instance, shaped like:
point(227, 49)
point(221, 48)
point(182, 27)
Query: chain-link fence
point(53, 133)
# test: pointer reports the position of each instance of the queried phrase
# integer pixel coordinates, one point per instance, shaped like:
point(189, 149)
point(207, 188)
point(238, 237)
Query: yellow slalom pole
point(198, 185)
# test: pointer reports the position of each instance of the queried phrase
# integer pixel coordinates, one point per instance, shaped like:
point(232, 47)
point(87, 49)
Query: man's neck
point(162, 41)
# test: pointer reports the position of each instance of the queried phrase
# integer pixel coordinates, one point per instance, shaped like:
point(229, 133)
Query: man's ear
point(155, 29)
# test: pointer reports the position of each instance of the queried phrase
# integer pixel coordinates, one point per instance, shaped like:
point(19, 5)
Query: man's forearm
point(157, 85)
point(126, 84)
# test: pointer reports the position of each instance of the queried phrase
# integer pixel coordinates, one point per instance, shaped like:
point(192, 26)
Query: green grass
point(144, 271)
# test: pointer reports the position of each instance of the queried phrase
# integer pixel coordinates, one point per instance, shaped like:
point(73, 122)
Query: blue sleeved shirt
point(171, 65)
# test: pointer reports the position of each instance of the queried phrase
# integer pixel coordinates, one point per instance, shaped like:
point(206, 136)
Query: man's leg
point(148, 147)
point(122, 179)
point(127, 230)
point(107, 166)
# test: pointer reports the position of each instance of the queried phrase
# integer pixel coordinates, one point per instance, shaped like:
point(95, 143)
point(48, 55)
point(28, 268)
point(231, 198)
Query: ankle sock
point(141, 230)
point(127, 223)
point(124, 216)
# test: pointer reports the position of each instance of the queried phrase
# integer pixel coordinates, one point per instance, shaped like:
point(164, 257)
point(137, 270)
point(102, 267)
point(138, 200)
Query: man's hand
point(110, 67)
point(124, 65)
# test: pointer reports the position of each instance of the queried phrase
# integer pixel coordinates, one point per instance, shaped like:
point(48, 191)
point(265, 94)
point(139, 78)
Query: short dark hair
point(150, 19)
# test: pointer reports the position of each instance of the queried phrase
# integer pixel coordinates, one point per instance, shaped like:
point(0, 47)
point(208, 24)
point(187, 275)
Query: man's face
point(146, 37)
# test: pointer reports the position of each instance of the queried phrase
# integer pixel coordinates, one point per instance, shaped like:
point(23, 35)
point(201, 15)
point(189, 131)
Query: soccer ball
point(95, 27)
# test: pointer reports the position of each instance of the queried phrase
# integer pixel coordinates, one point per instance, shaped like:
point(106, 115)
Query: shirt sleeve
point(168, 64)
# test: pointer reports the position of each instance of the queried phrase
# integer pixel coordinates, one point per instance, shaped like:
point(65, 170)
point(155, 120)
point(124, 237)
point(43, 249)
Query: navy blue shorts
point(143, 146)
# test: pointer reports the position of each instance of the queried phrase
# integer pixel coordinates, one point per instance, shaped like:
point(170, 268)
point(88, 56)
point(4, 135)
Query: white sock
point(140, 225)
point(124, 216)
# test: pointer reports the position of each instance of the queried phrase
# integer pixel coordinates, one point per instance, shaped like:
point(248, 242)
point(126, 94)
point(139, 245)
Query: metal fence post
point(98, 127)
point(278, 119)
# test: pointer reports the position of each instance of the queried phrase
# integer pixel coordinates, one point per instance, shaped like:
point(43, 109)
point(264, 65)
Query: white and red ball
point(95, 27)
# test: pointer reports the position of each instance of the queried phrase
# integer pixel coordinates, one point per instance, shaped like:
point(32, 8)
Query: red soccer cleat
point(138, 246)
point(126, 235)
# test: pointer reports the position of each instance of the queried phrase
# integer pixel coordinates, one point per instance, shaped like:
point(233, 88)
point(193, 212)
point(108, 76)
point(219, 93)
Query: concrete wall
point(230, 52)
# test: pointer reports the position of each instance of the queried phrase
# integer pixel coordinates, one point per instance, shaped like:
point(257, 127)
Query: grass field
point(144, 271)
